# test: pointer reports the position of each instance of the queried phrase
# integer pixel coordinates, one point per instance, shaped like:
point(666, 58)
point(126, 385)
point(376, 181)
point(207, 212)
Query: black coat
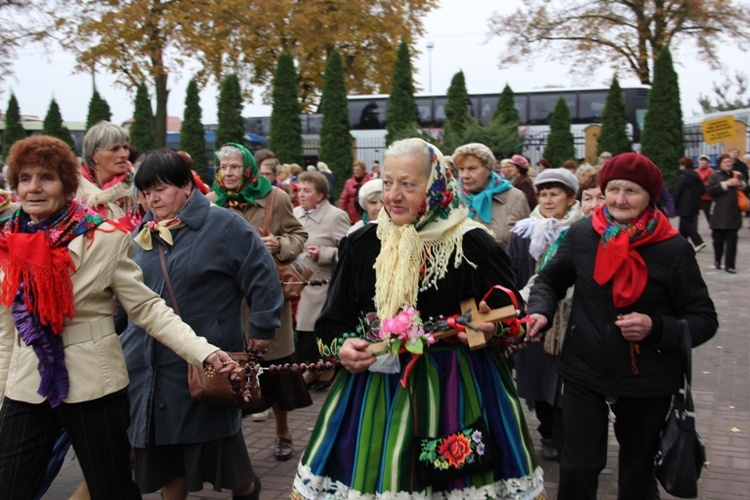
point(595, 354)
point(687, 192)
point(725, 211)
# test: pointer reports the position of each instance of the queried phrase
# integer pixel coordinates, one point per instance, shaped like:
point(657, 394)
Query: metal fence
point(367, 149)
point(534, 144)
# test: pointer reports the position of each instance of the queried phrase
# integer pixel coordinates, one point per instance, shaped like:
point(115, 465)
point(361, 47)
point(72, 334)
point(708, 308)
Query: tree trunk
point(160, 117)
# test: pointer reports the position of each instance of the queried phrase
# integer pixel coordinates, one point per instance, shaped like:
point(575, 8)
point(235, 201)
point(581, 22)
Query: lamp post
point(430, 46)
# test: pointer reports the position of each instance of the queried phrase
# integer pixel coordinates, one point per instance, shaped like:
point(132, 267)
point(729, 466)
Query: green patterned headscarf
point(252, 186)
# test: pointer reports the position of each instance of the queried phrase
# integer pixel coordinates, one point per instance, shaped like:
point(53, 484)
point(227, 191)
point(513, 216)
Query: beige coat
point(116, 200)
point(292, 237)
point(508, 208)
point(93, 356)
point(327, 225)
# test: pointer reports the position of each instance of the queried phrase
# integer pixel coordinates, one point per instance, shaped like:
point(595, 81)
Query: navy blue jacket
point(217, 261)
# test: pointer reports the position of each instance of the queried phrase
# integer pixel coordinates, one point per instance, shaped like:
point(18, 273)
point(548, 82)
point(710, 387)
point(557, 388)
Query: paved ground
point(721, 380)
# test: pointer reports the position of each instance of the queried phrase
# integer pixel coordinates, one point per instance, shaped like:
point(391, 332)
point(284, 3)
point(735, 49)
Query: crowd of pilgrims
point(119, 270)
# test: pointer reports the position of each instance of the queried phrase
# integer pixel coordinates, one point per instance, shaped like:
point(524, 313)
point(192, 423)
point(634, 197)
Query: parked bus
point(368, 114)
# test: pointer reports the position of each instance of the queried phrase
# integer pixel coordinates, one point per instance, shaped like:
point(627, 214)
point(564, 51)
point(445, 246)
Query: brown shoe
point(282, 449)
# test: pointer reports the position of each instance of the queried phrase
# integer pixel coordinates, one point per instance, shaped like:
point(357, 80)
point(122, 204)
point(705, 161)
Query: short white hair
point(412, 147)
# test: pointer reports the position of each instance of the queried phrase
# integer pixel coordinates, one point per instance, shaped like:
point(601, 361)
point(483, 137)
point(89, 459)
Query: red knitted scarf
point(618, 261)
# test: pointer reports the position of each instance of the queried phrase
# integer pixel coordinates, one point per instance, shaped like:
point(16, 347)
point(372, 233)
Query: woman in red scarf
point(635, 280)
point(61, 364)
point(106, 184)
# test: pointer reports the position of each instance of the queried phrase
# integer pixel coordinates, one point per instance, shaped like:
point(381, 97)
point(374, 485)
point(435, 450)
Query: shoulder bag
point(681, 455)
point(216, 390)
point(293, 273)
point(742, 201)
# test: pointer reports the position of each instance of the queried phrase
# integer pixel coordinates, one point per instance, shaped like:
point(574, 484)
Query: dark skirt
point(224, 463)
point(287, 388)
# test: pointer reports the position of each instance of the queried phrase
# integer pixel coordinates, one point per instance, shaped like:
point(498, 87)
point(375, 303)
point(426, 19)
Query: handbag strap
point(269, 211)
point(168, 282)
point(687, 362)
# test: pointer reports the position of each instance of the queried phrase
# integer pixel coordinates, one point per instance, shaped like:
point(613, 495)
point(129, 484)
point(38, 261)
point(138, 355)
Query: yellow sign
point(719, 129)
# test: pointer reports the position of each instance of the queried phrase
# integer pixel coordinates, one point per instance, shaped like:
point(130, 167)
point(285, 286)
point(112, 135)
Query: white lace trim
point(312, 487)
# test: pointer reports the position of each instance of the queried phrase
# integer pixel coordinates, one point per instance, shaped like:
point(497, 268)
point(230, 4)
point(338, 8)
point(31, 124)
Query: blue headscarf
point(481, 203)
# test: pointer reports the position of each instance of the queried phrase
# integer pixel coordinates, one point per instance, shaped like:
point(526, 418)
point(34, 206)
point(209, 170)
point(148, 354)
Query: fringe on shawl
point(52, 288)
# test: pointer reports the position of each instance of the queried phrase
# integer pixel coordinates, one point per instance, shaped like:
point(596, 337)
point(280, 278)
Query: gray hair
point(230, 152)
point(480, 151)
point(103, 135)
point(412, 147)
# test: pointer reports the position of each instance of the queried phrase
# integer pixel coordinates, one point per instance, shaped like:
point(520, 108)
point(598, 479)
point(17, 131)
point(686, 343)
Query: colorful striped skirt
point(363, 444)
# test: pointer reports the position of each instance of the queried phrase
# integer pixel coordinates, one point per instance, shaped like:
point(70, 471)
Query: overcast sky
point(457, 29)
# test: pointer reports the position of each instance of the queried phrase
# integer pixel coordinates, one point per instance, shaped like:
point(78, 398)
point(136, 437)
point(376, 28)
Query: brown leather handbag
point(217, 390)
point(293, 273)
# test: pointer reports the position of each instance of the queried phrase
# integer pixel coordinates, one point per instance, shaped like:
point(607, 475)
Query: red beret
point(633, 167)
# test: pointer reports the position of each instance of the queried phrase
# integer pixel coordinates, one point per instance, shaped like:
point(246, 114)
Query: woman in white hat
point(533, 243)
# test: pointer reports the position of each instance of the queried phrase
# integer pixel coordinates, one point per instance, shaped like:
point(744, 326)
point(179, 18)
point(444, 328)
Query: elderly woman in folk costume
point(106, 174)
point(638, 291)
point(240, 187)
point(420, 261)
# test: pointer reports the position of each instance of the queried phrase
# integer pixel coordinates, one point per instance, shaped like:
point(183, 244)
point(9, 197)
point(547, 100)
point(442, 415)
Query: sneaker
point(262, 416)
point(700, 247)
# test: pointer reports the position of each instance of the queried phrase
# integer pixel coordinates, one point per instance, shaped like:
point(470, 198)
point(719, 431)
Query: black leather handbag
point(681, 455)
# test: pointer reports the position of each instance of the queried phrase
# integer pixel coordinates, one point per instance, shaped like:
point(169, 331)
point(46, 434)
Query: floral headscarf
point(413, 257)
point(252, 186)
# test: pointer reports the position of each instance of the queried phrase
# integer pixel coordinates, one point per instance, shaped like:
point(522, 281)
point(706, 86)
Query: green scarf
point(252, 186)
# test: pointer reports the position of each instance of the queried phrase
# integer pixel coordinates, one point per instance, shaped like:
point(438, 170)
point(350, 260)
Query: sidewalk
point(721, 388)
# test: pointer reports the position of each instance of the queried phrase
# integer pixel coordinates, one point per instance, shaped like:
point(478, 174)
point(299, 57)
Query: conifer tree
point(457, 116)
point(192, 133)
point(98, 110)
point(505, 111)
point(335, 139)
point(142, 128)
point(402, 107)
point(662, 140)
point(614, 134)
point(503, 139)
point(560, 142)
point(53, 125)
point(231, 126)
point(13, 131)
point(286, 126)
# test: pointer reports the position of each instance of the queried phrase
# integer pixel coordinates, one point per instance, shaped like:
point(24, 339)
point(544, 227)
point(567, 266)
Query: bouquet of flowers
point(405, 330)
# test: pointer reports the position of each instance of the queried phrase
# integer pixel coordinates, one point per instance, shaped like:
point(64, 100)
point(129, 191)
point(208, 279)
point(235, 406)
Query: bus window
point(367, 114)
point(424, 113)
point(522, 108)
point(440, 103)
point(541, 106)
point(591, 105)
point(488, 104)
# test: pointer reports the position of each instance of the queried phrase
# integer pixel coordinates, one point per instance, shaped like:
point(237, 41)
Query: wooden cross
point(474, 335)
